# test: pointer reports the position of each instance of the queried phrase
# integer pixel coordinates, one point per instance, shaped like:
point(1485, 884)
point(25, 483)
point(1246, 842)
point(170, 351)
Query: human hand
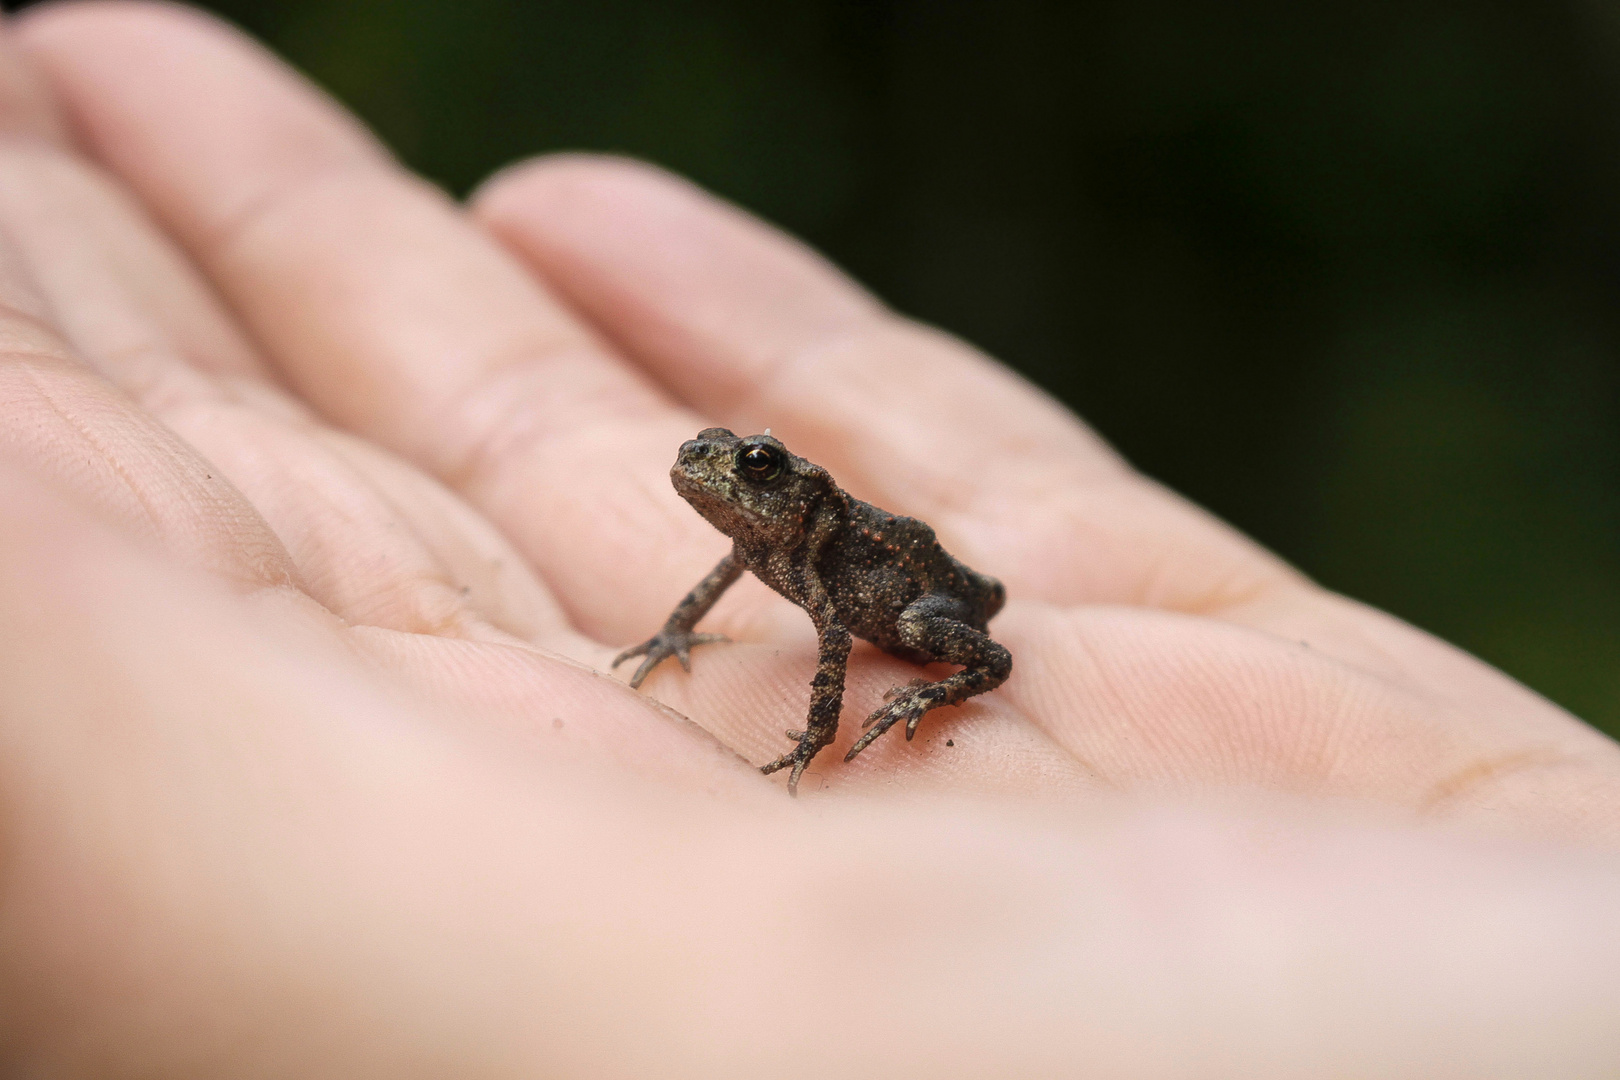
point(1153, 645)
point(1156, 650)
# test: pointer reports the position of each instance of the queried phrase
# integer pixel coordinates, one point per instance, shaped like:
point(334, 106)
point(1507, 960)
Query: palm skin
point(335, 502)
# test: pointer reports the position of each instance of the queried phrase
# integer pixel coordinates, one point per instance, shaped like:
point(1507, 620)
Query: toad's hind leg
point(930, 626)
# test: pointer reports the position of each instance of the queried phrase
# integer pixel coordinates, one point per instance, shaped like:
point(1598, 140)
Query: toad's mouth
point(711, 495)
point(716, 498)
point(688, 482)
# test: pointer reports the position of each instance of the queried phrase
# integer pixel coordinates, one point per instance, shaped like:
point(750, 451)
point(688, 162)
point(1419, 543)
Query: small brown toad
point(853, 568)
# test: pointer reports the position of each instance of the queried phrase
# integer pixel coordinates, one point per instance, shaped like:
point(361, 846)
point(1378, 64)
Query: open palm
point(425, 451)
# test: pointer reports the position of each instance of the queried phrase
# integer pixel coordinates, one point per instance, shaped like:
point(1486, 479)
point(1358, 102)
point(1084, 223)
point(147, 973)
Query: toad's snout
point(692, 451)
point(698, 457)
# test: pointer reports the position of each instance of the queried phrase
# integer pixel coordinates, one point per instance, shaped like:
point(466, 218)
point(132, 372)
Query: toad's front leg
point(676, 638)
point(826, 699)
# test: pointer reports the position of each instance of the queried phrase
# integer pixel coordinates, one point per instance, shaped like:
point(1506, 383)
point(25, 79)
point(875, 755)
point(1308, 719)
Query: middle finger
point(138, 313)
point(384, 307)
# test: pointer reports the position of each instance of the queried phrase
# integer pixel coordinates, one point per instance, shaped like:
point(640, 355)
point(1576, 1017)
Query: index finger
point(748, 326)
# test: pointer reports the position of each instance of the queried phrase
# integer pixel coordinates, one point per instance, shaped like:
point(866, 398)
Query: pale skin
point(320, 497)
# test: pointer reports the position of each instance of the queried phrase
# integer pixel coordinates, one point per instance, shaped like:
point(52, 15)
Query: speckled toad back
point(855, 569)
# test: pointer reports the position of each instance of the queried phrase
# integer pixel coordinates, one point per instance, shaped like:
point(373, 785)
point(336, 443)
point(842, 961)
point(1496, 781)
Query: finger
point(129, 302)
point(750, 327)
point(382, 305)
point(100, 244)
point(110, 284)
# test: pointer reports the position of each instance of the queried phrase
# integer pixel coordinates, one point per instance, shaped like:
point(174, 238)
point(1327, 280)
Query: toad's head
point(751, 488)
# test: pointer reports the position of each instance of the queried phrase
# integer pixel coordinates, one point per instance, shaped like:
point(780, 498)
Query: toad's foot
point(894, 692)
point(810, 743)
point(663, 645)
point(908, 703)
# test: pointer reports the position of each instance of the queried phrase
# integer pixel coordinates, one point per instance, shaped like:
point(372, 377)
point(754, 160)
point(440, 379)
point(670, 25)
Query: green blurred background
point(1345, 273)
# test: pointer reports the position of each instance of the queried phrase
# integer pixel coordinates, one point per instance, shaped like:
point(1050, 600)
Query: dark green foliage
point(1345, 273)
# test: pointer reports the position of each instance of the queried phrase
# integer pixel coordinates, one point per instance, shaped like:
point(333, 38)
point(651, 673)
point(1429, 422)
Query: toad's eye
point(759, 463)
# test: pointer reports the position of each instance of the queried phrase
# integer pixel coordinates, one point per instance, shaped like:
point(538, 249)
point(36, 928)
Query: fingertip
point(137, 76)
point(587, 207)
point(698, 290)
point(534, 184)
